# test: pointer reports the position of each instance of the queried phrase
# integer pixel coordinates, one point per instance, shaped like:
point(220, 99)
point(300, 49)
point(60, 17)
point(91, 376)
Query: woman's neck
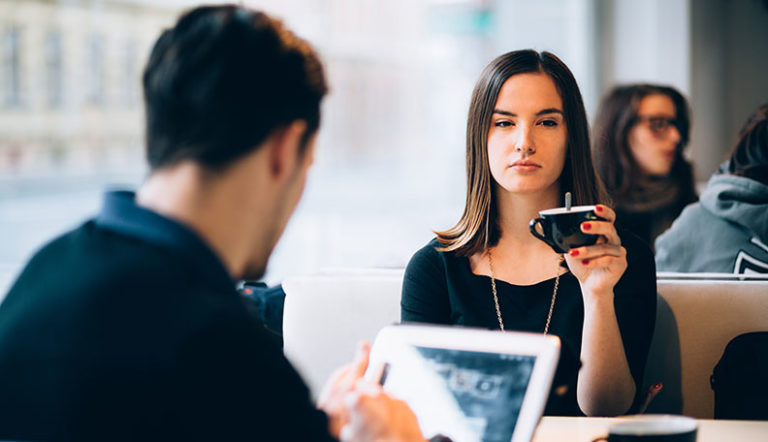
point(515, 211)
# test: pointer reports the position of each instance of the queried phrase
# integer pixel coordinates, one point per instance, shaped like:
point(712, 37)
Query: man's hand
point(342, 382)
point(374, 416)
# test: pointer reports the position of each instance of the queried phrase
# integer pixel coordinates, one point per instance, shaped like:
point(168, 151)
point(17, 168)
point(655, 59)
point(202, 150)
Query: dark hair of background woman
point(749, 157)
point(477, 229)
point(613, 158)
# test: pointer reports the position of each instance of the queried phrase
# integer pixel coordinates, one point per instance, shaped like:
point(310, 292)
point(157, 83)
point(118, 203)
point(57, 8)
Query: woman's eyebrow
point(503, 112)
point(551, 110)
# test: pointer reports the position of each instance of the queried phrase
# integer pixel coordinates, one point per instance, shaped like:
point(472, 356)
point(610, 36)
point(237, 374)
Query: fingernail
point(599, 208)
point(573, 252)
point(657, 385)
point(585, 262)
point(586, 226)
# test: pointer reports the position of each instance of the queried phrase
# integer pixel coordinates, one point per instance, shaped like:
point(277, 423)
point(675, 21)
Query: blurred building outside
point(390, 156)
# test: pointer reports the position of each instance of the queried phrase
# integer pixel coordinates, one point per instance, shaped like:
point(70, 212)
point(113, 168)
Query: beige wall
point(714, 51)
point(729, 72)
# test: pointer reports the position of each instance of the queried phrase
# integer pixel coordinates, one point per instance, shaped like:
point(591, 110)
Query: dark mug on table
point(561, 227)
point(653, 428)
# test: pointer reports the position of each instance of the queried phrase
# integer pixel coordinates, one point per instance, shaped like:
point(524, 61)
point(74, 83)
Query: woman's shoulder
point(432, 260)
point(429, 254)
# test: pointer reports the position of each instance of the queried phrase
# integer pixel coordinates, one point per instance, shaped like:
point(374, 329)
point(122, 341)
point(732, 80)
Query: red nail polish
point(657, 385)
point(586, 226)
point(585, 262)
point(599, 208)
point(573, 252)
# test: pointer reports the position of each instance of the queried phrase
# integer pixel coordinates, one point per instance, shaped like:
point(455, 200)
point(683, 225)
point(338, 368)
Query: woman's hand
point(605, 386)
point(599, 267)
point(342, 382)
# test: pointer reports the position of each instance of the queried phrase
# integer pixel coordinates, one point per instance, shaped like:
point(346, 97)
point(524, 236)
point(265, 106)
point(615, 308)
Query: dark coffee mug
point(653, 428)
point(561, 228)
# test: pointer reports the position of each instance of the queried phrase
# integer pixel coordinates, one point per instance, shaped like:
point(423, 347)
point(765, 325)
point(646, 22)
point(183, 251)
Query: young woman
point(639, 136)
point(528, 144)
point(727, 231)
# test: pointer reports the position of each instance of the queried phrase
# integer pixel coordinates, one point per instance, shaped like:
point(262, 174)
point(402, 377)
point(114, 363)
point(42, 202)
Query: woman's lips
point(525, 166)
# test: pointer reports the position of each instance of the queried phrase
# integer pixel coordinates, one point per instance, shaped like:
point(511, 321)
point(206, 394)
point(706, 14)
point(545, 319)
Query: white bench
point(325, 315)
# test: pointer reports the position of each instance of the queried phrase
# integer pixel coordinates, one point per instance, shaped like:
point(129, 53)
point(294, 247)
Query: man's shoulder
point(89, 258)
point(92, 244)
point(89, 278)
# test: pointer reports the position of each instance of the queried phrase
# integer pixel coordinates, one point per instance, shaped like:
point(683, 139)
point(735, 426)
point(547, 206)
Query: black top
point(440, 288)
point(130, 328)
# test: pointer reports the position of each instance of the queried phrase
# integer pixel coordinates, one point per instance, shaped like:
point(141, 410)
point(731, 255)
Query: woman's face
point(527, 137)
point(654, 137)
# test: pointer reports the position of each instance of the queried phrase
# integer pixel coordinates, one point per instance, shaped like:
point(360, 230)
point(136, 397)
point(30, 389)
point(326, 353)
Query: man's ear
point(285, 149)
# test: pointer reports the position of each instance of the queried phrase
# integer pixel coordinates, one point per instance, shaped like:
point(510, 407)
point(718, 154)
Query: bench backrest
point(326, 315)
point(694, 321)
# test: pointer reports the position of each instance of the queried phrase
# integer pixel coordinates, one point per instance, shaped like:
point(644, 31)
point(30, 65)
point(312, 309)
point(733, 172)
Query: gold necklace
point(496, 295)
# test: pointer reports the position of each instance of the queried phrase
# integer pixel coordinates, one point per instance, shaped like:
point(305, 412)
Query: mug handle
point(532, 228)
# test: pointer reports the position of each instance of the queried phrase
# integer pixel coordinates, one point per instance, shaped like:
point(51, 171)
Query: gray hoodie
point(725, 232)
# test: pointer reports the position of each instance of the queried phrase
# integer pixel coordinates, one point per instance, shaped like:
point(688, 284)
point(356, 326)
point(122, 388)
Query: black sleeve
point(233, 383)
point(635, 303)
point(425, 294)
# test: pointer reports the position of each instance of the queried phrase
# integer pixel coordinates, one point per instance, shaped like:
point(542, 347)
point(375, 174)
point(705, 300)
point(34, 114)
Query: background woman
point(727, 231)
point(639, 136)
point(527, 144)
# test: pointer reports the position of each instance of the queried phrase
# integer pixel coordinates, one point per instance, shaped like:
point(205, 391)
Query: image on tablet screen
point(465, 395)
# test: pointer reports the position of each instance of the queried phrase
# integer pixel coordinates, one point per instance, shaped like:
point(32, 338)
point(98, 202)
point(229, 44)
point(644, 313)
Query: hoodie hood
point(740, 200)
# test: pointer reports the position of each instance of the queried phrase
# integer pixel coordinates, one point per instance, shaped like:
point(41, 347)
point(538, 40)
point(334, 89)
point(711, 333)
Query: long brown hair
point(477, 229)
point(614, 161)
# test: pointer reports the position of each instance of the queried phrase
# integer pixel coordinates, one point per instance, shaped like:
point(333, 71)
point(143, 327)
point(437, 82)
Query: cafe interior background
point(389, 167)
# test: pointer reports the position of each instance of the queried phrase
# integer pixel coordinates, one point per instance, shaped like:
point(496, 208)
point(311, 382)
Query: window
point(130, 75)
point(390, 153)
point(11, 67)
point(94, 74)
point(54, 71)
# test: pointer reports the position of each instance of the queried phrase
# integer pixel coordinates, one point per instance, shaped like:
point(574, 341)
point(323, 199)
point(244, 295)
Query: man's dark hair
point(221, 81)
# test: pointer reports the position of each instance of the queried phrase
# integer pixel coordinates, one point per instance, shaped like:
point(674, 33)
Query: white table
point(585, 429)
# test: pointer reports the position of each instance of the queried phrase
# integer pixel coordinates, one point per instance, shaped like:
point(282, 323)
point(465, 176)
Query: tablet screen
point(465, 395)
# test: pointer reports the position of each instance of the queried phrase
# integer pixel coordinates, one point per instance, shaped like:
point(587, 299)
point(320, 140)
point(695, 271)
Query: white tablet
point(468, 384)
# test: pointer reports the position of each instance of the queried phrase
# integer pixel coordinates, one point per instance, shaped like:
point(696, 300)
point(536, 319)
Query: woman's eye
point(503, 123)
point(549, 123)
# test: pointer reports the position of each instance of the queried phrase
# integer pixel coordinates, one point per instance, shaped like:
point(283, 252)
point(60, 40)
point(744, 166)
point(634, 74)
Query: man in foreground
point(129, 327)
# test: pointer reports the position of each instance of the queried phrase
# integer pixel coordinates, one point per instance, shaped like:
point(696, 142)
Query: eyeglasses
point(658, 125)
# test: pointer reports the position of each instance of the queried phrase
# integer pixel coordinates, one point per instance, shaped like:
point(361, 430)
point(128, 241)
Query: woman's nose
point(524, 142)
point(674, 134)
